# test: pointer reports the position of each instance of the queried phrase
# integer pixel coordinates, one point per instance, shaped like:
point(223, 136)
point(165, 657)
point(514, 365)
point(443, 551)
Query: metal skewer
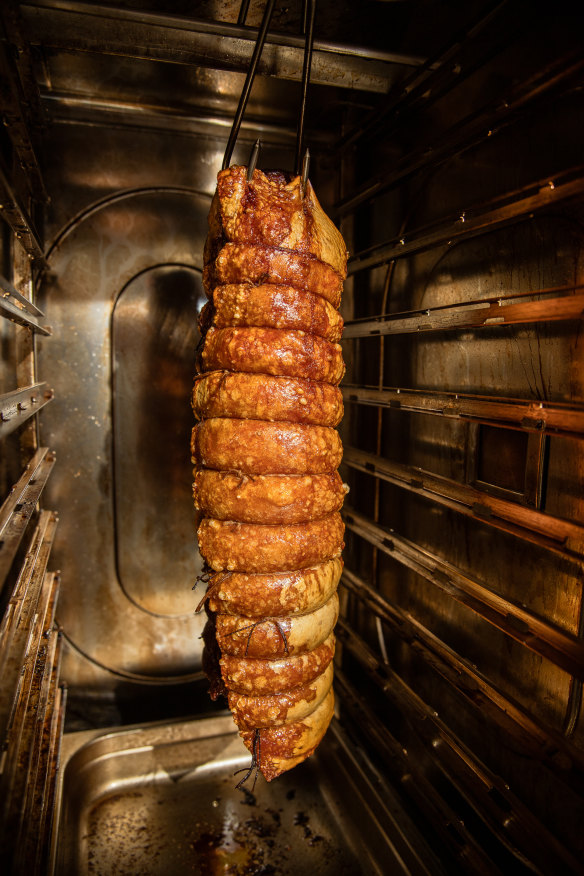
point(305, 15)
point(253, 159)
point(309, 10)
point(305, 78)
point(248, 82)
point(305, 169)
point(243, 11)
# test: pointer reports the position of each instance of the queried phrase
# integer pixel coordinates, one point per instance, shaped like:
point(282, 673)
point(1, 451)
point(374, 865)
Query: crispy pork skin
point(248, 263)
point(276, 637)
point(257, 547)
point(263, 397)
point(285, 746)
point(273, 351)
point(267, 498)
point(258, 447)
point(280, 307)
point(274, 710)
point(276, 594)
point(266, 456)
point(260, 677)
point(272, 209)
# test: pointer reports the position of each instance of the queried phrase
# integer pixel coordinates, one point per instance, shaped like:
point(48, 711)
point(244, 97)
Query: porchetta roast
point(266, 455)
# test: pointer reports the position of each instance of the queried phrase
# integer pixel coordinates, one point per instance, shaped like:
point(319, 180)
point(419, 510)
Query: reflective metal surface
point(424, 400)
point(124, 323)
point(127, 225)
point(110, 30)
point(162, 800)
point(154, 338)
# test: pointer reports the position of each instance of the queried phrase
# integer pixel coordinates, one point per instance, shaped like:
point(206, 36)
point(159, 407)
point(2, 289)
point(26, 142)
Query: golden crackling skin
point(266, 455)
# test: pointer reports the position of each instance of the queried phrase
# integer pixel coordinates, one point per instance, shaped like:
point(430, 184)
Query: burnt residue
point(239, 848)
point(275, 816)
point(302, 820)
point(211, 657)
point(208, 828)
point(266, 841)
point(249, 799)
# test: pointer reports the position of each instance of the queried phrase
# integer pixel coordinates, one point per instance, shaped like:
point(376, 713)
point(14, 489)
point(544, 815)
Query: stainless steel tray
point(161, 799)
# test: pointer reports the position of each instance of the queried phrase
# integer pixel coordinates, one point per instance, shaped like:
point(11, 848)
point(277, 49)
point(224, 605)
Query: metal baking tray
point(161, 799)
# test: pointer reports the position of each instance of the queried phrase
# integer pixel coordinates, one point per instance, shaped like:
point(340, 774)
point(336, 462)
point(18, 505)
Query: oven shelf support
point(31, 709)
point(18, 406)
point(534, 738)
point(509, 819)
point(29, 602)
point(476, 220)
point(552, 533)
point(561, 648)
point(471, 130)
point(486, 313)
point(453, 63)
point(15, 214)
point(20, 504)
point(416, 786)
point(536, 416)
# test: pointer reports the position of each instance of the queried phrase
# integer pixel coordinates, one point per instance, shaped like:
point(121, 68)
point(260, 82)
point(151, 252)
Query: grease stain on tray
point(149, 831)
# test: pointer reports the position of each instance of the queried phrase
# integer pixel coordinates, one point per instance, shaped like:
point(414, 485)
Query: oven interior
point(446, 143)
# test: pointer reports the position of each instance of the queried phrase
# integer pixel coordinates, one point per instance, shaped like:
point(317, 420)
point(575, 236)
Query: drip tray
point(160, 800)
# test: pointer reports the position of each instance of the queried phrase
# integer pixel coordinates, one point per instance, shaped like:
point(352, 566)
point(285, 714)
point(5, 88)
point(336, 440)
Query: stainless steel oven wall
point(124, 293)
point(463, 426)
point(126, 231)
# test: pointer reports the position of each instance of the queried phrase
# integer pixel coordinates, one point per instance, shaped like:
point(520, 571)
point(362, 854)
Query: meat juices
point(266, 455)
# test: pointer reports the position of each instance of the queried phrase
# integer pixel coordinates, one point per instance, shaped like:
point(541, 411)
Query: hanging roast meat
point(266, 454)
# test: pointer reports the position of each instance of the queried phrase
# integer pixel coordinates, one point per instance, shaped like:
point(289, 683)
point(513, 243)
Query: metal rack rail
point(545, 530)
point(20, 504)
point(471, 130)
point(22, 316)
point(476, 220)
point(23, 117)
point(26, 605)
point(559, 303)
point(533, 416)
point(31, 710)
point(34, 838)
point(470, 48)
point(18, 406)
point(20, 310)
point(17, 217)
point(560, 647)
point(406, 651)
point(449, 826)
point(503, 813)
point(544, 744)
point(31, 704)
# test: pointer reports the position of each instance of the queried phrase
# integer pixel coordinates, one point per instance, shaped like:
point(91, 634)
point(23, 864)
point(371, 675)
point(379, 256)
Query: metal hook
point(261, 38)
point(243, 12)
point(305, 169)
point(308, 16)
point(253, 159)
point(305, 79)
